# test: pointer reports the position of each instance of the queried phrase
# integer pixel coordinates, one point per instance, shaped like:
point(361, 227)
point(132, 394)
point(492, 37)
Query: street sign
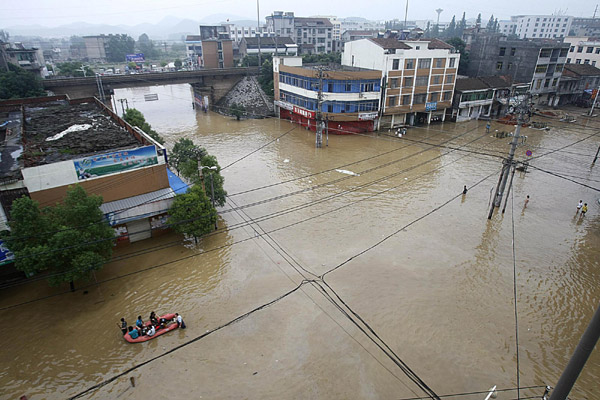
point(431, 106)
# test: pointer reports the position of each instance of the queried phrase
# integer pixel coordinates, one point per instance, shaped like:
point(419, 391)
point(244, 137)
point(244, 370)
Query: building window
point(421, 81)
point(366, 87)
point(568, 61)
point(447, 96)
point(547, 83)
point(554, 82)
point(348, 87)
point(393, 83)
point(420, 98)
point(449, 79)
point(408, 82)
point(571, 49)
point(424, 63)
point(579, 49)
point(586, 61)
point(509, 66)
point(452, 61)
point(392, 101)
point(538, 84)
point(436, 79)
point(410, 63)
point(544, 53)
point(541, 68)
point(559, 67)
point(439, 62)
point(590, 49)
point(406, 100)
point(499, 65)
point(593, 63)
point(502, 51)
point(395, 64)
point(433, 97)
point(578, 61)
point(513, 50)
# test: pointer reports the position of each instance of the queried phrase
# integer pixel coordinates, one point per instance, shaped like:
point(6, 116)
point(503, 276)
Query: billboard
point(139, 57)
point(111, 163)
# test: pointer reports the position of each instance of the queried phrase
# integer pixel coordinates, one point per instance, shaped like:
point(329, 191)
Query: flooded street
point(397, 242)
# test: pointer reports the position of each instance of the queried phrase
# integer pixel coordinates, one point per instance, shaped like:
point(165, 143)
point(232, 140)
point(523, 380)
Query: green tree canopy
point(490, 24)
point(178, 63)
point(460, 45)
point(67, 241)
point(185, 156)
point(265, 79)
point(192, 213)
point(146, 46)
point(18, 83)
point(136, 118)
point(118, 46)
point(451, 29)
point(73, 69)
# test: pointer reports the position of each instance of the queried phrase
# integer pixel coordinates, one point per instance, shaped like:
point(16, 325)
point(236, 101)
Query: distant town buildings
point(579, 84)
point(213, 48)
point(312, 35)
point(585, 27)
point(583, 50)
point(268, 45)
point(537, 26)
point(30, 59)
point(95, 48)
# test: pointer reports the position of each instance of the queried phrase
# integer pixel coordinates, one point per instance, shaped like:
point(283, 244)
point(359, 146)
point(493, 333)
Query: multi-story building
point(579, 84)
point(585, 27)
point(282, 23)
point(350, 36)
point(312, 35)
point(31, 59)
point(347, 98)
point(103, 154)
point(537, 61)
point(213, 48)
point(360, 24)
point(337, 25)
point(583, 50)
point(95, 47)
point(418, 76)
point(237, 33)
point(537, 26)
point(268, 45)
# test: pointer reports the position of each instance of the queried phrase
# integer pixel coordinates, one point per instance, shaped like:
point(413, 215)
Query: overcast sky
point(59, 12)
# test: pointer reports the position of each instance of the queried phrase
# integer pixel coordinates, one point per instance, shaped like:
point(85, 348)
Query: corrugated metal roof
point(135, 201)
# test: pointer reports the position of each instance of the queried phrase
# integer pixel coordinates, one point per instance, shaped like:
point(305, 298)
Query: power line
point(475, 392)
point(565, 178)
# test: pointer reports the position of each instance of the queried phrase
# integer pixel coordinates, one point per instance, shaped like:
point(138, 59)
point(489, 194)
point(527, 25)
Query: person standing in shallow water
point(526, 201)
point(465, 190)
point(579, 205)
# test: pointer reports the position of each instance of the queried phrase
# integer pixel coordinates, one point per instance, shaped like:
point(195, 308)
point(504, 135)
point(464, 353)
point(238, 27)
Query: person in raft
point(140, 322)
point(151, 331)
point(133, 333)
point(179, 320)
point(153, 319)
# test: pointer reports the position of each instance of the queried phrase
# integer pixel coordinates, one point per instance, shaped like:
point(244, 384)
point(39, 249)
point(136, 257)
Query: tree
point(146, 46)
point(178, 63)
point(74, 69)
point(186, 156)
point(236, 110)
point(18, 83)
point(478, 22)
point(265, 79)
point(462, 25)
point(428, 30)
point(460, 45)
point(451, 29)
point(496, 25)
point(118, 46)
point(192, 213)
point(183, 151)
point(490, 24)
point(136, 118)
point(4, 36)
point(67, 241)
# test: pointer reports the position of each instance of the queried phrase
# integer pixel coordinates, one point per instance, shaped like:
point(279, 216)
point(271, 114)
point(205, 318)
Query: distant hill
point(166, 28)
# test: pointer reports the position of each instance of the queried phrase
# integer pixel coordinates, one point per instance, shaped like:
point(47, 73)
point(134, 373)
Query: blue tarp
point(178, 186)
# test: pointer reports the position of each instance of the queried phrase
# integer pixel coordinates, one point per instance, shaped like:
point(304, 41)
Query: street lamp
point(212, 188)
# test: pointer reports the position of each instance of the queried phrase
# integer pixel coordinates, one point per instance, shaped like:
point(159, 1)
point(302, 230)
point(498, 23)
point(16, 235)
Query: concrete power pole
point(258, 34)
point(319, 118)
point(508, 163)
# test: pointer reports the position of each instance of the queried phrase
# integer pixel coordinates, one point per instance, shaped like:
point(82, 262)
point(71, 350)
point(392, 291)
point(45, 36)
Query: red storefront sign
point(305, 113)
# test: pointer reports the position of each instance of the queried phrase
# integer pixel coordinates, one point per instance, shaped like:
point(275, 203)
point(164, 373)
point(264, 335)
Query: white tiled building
point(584, 50)
point(537, 26)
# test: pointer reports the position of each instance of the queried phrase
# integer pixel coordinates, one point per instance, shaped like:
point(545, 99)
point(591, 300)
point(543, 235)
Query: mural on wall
point(119, 161)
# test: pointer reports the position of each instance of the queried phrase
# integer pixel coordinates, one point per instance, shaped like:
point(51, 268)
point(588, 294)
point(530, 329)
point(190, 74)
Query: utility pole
point(578, 359)
point(258, 36)
point(406, 14)
point(319, 118)
point(521, 110)
point(595, 9)
point(594, 103)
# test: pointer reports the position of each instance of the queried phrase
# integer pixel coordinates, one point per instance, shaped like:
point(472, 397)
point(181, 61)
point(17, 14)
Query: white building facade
point(419, 77)
point(583, 50)
point(537, 26)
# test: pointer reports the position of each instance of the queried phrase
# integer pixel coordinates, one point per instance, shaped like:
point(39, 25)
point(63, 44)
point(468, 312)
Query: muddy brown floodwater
point(416, 260)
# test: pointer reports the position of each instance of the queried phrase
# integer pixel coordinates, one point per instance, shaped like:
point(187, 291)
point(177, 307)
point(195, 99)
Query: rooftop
point(582, 70)
point(56, 131)
point(320, 22)
point(267, 41)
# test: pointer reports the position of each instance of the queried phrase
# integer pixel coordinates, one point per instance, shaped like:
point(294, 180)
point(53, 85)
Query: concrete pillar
point(429, 117)
point(444, 115)
point(392, 124)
